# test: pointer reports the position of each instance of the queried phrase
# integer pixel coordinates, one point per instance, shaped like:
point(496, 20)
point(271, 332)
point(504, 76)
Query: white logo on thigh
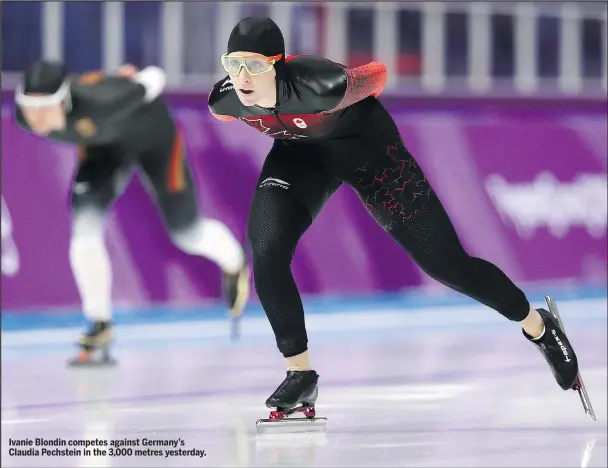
point(299, 123)
point(272, 182)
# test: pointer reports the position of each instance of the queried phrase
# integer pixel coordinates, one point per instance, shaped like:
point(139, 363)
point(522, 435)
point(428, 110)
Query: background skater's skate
point(298, 393)
point(95, 346)
point(559, 353)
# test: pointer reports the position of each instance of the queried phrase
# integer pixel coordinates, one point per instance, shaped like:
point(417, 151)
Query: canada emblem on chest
point(272, 127)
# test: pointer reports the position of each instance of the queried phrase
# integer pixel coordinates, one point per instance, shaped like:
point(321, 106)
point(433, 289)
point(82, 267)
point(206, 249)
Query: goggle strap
point(57, 97)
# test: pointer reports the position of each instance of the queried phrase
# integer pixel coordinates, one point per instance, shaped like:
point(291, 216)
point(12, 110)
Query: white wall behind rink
point(175, 32)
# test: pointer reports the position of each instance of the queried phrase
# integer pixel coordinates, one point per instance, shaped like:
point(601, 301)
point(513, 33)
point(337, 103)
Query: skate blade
point(580, 388)
point(553, 309)
point(291, 426)
point(88, 360)
point(584, 396)
point(77, 363)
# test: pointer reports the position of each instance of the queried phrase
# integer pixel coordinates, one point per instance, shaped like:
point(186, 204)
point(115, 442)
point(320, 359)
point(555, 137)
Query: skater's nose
point(243, 77)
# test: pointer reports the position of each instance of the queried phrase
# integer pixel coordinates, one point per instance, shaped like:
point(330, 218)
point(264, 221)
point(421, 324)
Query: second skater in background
point(121, 125)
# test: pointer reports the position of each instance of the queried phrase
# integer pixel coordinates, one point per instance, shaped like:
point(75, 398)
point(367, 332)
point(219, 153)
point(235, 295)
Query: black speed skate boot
point(95, 341)
point(556, 349)
point(559, 354)
point(235, 288)
point(297, 393)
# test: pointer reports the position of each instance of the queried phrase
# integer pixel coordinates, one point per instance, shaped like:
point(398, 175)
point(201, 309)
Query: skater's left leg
point(100, 179)
point(172, 184)
point(398, 195)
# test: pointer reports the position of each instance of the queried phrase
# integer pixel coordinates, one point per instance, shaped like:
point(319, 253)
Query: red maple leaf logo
point(259, 126)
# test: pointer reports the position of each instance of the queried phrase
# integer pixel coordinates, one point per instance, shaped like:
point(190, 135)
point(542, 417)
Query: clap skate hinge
point(579, 385)
point(307, 410)
point(278, 422)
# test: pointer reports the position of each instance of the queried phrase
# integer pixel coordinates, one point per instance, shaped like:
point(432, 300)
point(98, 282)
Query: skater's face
point(253, 77)
point(44, 120)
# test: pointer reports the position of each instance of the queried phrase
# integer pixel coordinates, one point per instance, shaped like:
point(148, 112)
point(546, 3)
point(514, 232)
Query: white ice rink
point(433, 387)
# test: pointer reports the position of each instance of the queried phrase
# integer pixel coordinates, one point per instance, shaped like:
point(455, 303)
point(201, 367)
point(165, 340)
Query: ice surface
point(441, 393)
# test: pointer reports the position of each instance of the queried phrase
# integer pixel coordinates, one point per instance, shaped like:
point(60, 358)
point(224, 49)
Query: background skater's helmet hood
point(46, 78)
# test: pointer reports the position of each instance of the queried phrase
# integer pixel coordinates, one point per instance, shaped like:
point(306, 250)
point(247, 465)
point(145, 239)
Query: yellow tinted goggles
point(253, 64)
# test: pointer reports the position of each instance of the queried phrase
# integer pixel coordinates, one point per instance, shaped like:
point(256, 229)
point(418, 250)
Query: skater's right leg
point(100, 179)
point(289, 195)
point(277, 222)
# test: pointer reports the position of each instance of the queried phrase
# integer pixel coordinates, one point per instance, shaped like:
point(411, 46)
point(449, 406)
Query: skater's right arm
point(223, 102)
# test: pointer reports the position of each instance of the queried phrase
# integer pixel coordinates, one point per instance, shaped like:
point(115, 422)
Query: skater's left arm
point(334, 86)
point(362, 82)
point(222, 101)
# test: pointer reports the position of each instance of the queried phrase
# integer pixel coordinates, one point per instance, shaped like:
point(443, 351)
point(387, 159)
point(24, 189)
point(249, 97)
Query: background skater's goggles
point(255, 64)
point(42, 100)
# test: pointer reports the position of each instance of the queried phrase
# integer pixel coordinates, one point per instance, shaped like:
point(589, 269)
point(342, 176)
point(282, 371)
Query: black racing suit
point(117, 131)
point(330, 129)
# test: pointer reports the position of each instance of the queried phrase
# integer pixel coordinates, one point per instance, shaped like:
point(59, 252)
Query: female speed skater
point(329, 129)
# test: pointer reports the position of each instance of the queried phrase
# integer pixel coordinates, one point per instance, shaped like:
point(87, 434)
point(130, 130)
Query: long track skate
point(279, 423)
point(579, 385)
point(94, 358)
point(94, 351)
